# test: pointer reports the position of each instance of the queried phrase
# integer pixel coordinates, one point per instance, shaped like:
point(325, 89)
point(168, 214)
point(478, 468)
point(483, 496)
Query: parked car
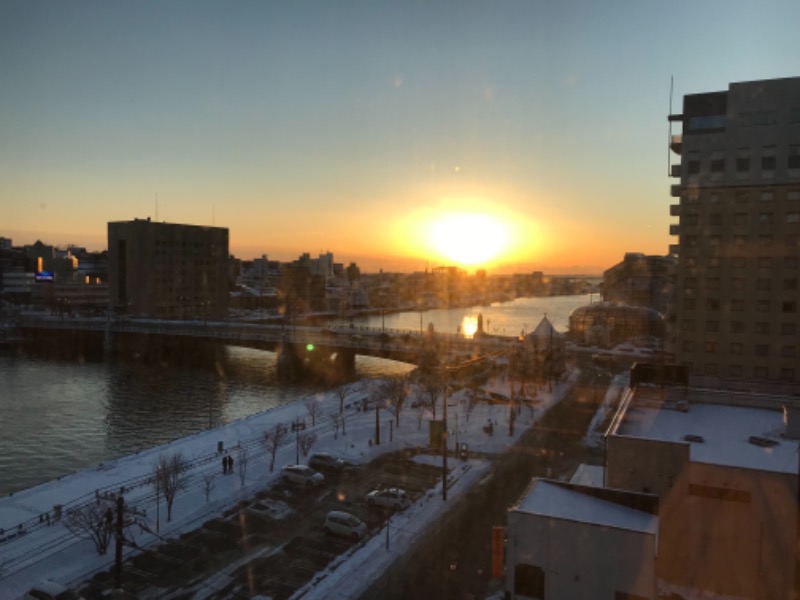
point(344, 524)
point(50, 590)
point(322, 461)
point(302, 475)
point(390, 497)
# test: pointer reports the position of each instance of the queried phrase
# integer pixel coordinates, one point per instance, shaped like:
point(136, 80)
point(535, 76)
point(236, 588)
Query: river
point(61, 415)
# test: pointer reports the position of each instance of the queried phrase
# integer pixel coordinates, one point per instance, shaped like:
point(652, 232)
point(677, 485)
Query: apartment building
point(736, 313)
point(168, 270)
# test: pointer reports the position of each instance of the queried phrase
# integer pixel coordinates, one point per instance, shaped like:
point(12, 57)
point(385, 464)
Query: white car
point(390, 497)
point(302, 475)
point(50, 590)
point(345, 524)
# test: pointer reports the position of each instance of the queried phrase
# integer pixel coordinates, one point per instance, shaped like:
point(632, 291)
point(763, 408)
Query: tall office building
point(167, 270)
point(736, 306)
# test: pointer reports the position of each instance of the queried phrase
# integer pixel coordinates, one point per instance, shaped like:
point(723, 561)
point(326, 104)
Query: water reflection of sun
point(469, 325)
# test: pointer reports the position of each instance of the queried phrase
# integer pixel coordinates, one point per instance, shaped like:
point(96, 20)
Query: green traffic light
point(309, 347)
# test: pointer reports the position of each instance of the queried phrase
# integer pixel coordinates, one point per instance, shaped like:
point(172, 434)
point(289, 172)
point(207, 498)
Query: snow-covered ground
point(33, 546)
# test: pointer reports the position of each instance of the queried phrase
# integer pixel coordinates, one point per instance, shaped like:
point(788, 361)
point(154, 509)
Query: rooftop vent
point(698, 439)
point(762, 441)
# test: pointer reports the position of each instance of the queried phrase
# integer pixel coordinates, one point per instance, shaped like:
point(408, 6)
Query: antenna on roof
point(669, 119)
point(156, 206)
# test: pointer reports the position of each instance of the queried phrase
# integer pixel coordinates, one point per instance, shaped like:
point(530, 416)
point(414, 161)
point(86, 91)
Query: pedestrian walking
point(224, 465)
point(230, 464)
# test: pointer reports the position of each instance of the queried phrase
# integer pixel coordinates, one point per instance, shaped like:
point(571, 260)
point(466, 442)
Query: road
point(454, 561)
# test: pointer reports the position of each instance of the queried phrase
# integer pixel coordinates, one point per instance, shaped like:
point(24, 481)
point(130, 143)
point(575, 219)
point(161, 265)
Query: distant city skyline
point(355, 127)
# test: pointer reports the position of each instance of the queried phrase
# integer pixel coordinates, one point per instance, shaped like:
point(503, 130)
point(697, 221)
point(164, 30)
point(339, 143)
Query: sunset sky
point(531, 135)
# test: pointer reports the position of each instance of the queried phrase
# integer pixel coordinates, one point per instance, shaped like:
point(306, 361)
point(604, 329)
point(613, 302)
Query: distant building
point(641, 280)
point(168, 270)
point(572, 541)
point(737, 308)
point(607, 324)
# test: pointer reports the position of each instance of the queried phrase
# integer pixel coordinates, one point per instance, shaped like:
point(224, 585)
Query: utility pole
point(377, 425)
point(118, 553)
point(444, 439)
point(297, 440)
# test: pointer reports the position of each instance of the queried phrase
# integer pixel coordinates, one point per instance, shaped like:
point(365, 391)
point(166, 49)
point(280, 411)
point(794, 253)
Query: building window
point(692, 167)
point(688, 324)
point(768, 161)
point(793, 159)
point(690, 241)
point(742, 197)
point(765, 218)
point(765, 240)
point(737, 305)
point(763, 285)
point(739, 262)
point(793, 195)
point(711, 368)
point(760, 372)
point(761, 350)
point(711, 347)
point(529, 581)
point(737, 283)
point(788, 351)
point(740, 219)
point(789, 306)
point(787, 374)
point(793, 217)
point(737, 326)
point(712, 304)
point(713, 283)
point(735, 370)
point(714, 198)
point(688, 346)
point(790, 262)
point(789, 285)
point(693, 197)
point(713, 261)
point(788, 328)
point(767, 196)
point(689, 303)
point(715, 219)
point(717, 167)
point(690, 220)
point(764, 262)
point(736, 348)
point(742, 162)
point(712, 326)
point(762, 327)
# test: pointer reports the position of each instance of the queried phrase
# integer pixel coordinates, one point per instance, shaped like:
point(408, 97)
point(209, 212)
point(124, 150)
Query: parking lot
point(273, 543)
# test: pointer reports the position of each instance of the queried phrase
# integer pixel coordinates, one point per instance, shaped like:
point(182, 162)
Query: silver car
point(302, 475)
point(344, 524)
point(390, 497)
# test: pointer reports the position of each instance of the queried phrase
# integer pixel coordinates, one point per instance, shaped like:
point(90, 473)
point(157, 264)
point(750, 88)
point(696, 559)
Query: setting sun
point(469, 238)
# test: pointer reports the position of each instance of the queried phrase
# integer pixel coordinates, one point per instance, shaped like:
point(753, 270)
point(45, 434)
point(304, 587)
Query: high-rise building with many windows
point(168, 270)
point(737, 313)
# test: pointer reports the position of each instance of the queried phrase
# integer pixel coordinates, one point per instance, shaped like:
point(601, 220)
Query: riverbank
point(45, 548)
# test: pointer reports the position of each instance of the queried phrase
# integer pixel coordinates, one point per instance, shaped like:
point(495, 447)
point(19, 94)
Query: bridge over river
point(299, 348)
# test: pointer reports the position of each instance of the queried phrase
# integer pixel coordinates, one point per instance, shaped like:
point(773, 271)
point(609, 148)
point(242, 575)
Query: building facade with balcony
point(737, 304)
point(168, 270)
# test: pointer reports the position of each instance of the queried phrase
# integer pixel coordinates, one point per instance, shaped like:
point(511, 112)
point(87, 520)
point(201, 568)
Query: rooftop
point(576, 503)
point(722, 428)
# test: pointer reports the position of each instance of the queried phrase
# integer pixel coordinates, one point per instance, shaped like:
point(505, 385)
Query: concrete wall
point(580, 560)
point(642, 465)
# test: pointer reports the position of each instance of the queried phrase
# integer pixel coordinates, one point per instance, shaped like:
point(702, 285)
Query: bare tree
point(337, 420)
point(170, 477)
point(422, 408)
point(208, 483)
point(244, 458)
point(306, 441)
point(94, 521)
point(395, 390)
point(312, 406)
point(273, 440)
point(432, 385)
point(342, 392)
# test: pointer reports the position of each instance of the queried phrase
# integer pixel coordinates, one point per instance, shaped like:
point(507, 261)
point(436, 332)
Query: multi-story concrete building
point(641, 280)
point(167, 270)
point(737, 312)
